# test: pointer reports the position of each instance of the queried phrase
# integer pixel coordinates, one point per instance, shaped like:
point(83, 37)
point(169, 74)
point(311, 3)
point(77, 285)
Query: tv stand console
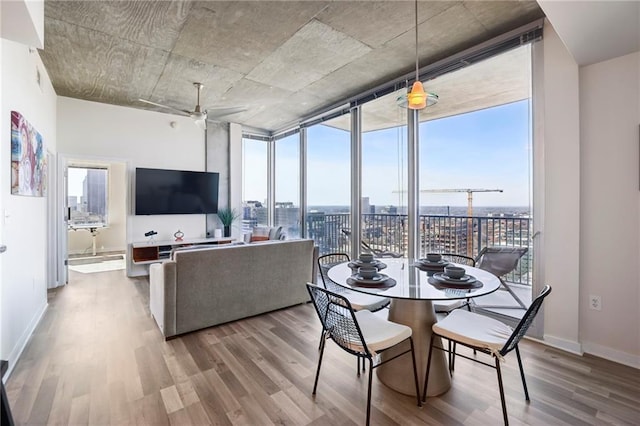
point(143, 253)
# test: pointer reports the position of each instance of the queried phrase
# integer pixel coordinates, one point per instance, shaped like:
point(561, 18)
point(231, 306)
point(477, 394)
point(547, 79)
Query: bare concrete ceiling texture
point(282, 60)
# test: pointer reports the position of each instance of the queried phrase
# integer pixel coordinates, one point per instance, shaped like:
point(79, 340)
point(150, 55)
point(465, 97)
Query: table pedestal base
point(398, 374)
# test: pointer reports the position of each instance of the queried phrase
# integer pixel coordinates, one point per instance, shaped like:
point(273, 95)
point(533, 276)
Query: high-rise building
point(94, 189)
point(365, 207)
point(288, 216)
point(72, 202)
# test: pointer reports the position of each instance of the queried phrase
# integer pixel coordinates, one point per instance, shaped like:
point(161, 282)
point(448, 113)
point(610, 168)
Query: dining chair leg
point(315, 384)
point(453, 356)
point(524, 381)
point(504, 405)
point(415, 372)
point(358, 367)
point(426, 374)
point(369, 389)
point(450, 359)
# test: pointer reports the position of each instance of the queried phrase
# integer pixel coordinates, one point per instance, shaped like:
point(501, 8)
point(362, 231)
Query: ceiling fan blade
point(222, 111)
point(184, 111)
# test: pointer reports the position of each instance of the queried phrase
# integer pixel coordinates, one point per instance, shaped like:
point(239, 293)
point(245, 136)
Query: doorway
point(96, 211)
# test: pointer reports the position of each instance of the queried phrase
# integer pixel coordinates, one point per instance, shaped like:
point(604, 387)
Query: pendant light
point(417, 98)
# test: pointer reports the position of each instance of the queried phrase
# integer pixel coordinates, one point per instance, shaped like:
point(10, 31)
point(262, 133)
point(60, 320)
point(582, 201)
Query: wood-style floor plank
point(98, 358)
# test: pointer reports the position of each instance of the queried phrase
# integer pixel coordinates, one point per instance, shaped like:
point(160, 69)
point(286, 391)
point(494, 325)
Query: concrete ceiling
point(282, 60)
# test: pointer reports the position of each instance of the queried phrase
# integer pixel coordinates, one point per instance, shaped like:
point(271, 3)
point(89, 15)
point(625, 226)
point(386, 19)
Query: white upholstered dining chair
point(486, 335)
point(360, 333)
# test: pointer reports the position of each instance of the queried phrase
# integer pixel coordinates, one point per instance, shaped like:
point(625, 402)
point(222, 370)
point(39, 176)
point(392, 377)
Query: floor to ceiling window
point(287, 185)
point(474, 167)
point(254, 183)
point(475, 163)
point(328, 185)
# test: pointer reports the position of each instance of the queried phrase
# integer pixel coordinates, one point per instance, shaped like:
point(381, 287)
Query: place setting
point(366, 273)
point(433, 262)
point(366, 260)
point(454, 277)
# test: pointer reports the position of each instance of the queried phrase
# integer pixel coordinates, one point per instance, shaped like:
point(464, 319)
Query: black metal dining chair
point(358, 300)
point(360, 333)
point(486, 335)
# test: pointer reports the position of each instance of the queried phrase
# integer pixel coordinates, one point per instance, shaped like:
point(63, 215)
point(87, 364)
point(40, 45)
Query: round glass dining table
point(411, 304)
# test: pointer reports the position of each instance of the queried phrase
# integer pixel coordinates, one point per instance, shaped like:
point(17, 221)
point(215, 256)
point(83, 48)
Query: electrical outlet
point(595, 302)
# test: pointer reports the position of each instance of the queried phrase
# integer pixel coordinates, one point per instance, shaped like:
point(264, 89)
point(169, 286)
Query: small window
point(87, 196)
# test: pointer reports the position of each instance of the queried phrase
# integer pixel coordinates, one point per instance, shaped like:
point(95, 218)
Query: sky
point(74, 181)
point(486, 149)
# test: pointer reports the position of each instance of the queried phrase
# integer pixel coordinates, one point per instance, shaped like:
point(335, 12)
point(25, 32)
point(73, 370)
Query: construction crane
point(468, 191)
point(469, 209)
point(469, 195)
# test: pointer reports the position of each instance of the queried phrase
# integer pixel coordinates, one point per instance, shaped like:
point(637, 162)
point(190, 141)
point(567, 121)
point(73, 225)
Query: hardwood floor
point(98, 358)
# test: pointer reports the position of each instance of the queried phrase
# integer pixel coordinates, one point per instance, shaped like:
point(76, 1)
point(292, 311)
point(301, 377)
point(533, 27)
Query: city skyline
point(446, 210)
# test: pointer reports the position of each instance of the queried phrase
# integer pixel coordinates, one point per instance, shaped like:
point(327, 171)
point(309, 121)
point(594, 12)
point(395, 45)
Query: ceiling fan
point(199, 115)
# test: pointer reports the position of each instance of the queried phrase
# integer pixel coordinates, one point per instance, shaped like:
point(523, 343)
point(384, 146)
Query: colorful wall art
point(28, 161)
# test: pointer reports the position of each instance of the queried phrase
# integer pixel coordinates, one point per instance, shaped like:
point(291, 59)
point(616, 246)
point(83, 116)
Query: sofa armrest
point(162, 296)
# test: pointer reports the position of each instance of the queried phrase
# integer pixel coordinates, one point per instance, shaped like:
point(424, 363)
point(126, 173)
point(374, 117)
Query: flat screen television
point(160, 191)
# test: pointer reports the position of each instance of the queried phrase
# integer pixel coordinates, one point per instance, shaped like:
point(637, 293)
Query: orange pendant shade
point(417, 98)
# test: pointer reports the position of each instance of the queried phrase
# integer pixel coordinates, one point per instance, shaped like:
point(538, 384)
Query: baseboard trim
point(604, 352)
point(15, 354)
point(620, 357)
point(564, 344)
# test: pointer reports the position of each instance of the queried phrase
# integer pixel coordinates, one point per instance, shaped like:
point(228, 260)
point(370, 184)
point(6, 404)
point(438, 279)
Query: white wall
point(610, 216)
point(591, 203)
point(561, 256)
point(23, 219)
point(23, 21)
point(144, 139)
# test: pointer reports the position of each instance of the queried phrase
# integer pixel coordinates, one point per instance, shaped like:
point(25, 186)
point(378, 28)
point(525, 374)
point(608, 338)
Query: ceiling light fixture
point(417, 98)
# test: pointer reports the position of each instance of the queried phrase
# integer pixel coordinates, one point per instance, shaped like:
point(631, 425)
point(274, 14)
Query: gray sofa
point(204, 287)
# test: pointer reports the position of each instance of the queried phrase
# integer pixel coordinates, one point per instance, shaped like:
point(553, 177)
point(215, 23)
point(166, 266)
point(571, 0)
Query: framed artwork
point(28, 162)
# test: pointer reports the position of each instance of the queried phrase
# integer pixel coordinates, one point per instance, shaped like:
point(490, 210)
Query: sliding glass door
point(476, 166)
point(384, 177)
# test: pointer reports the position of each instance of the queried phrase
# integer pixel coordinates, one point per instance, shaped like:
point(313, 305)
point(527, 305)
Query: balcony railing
point(439, 234)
